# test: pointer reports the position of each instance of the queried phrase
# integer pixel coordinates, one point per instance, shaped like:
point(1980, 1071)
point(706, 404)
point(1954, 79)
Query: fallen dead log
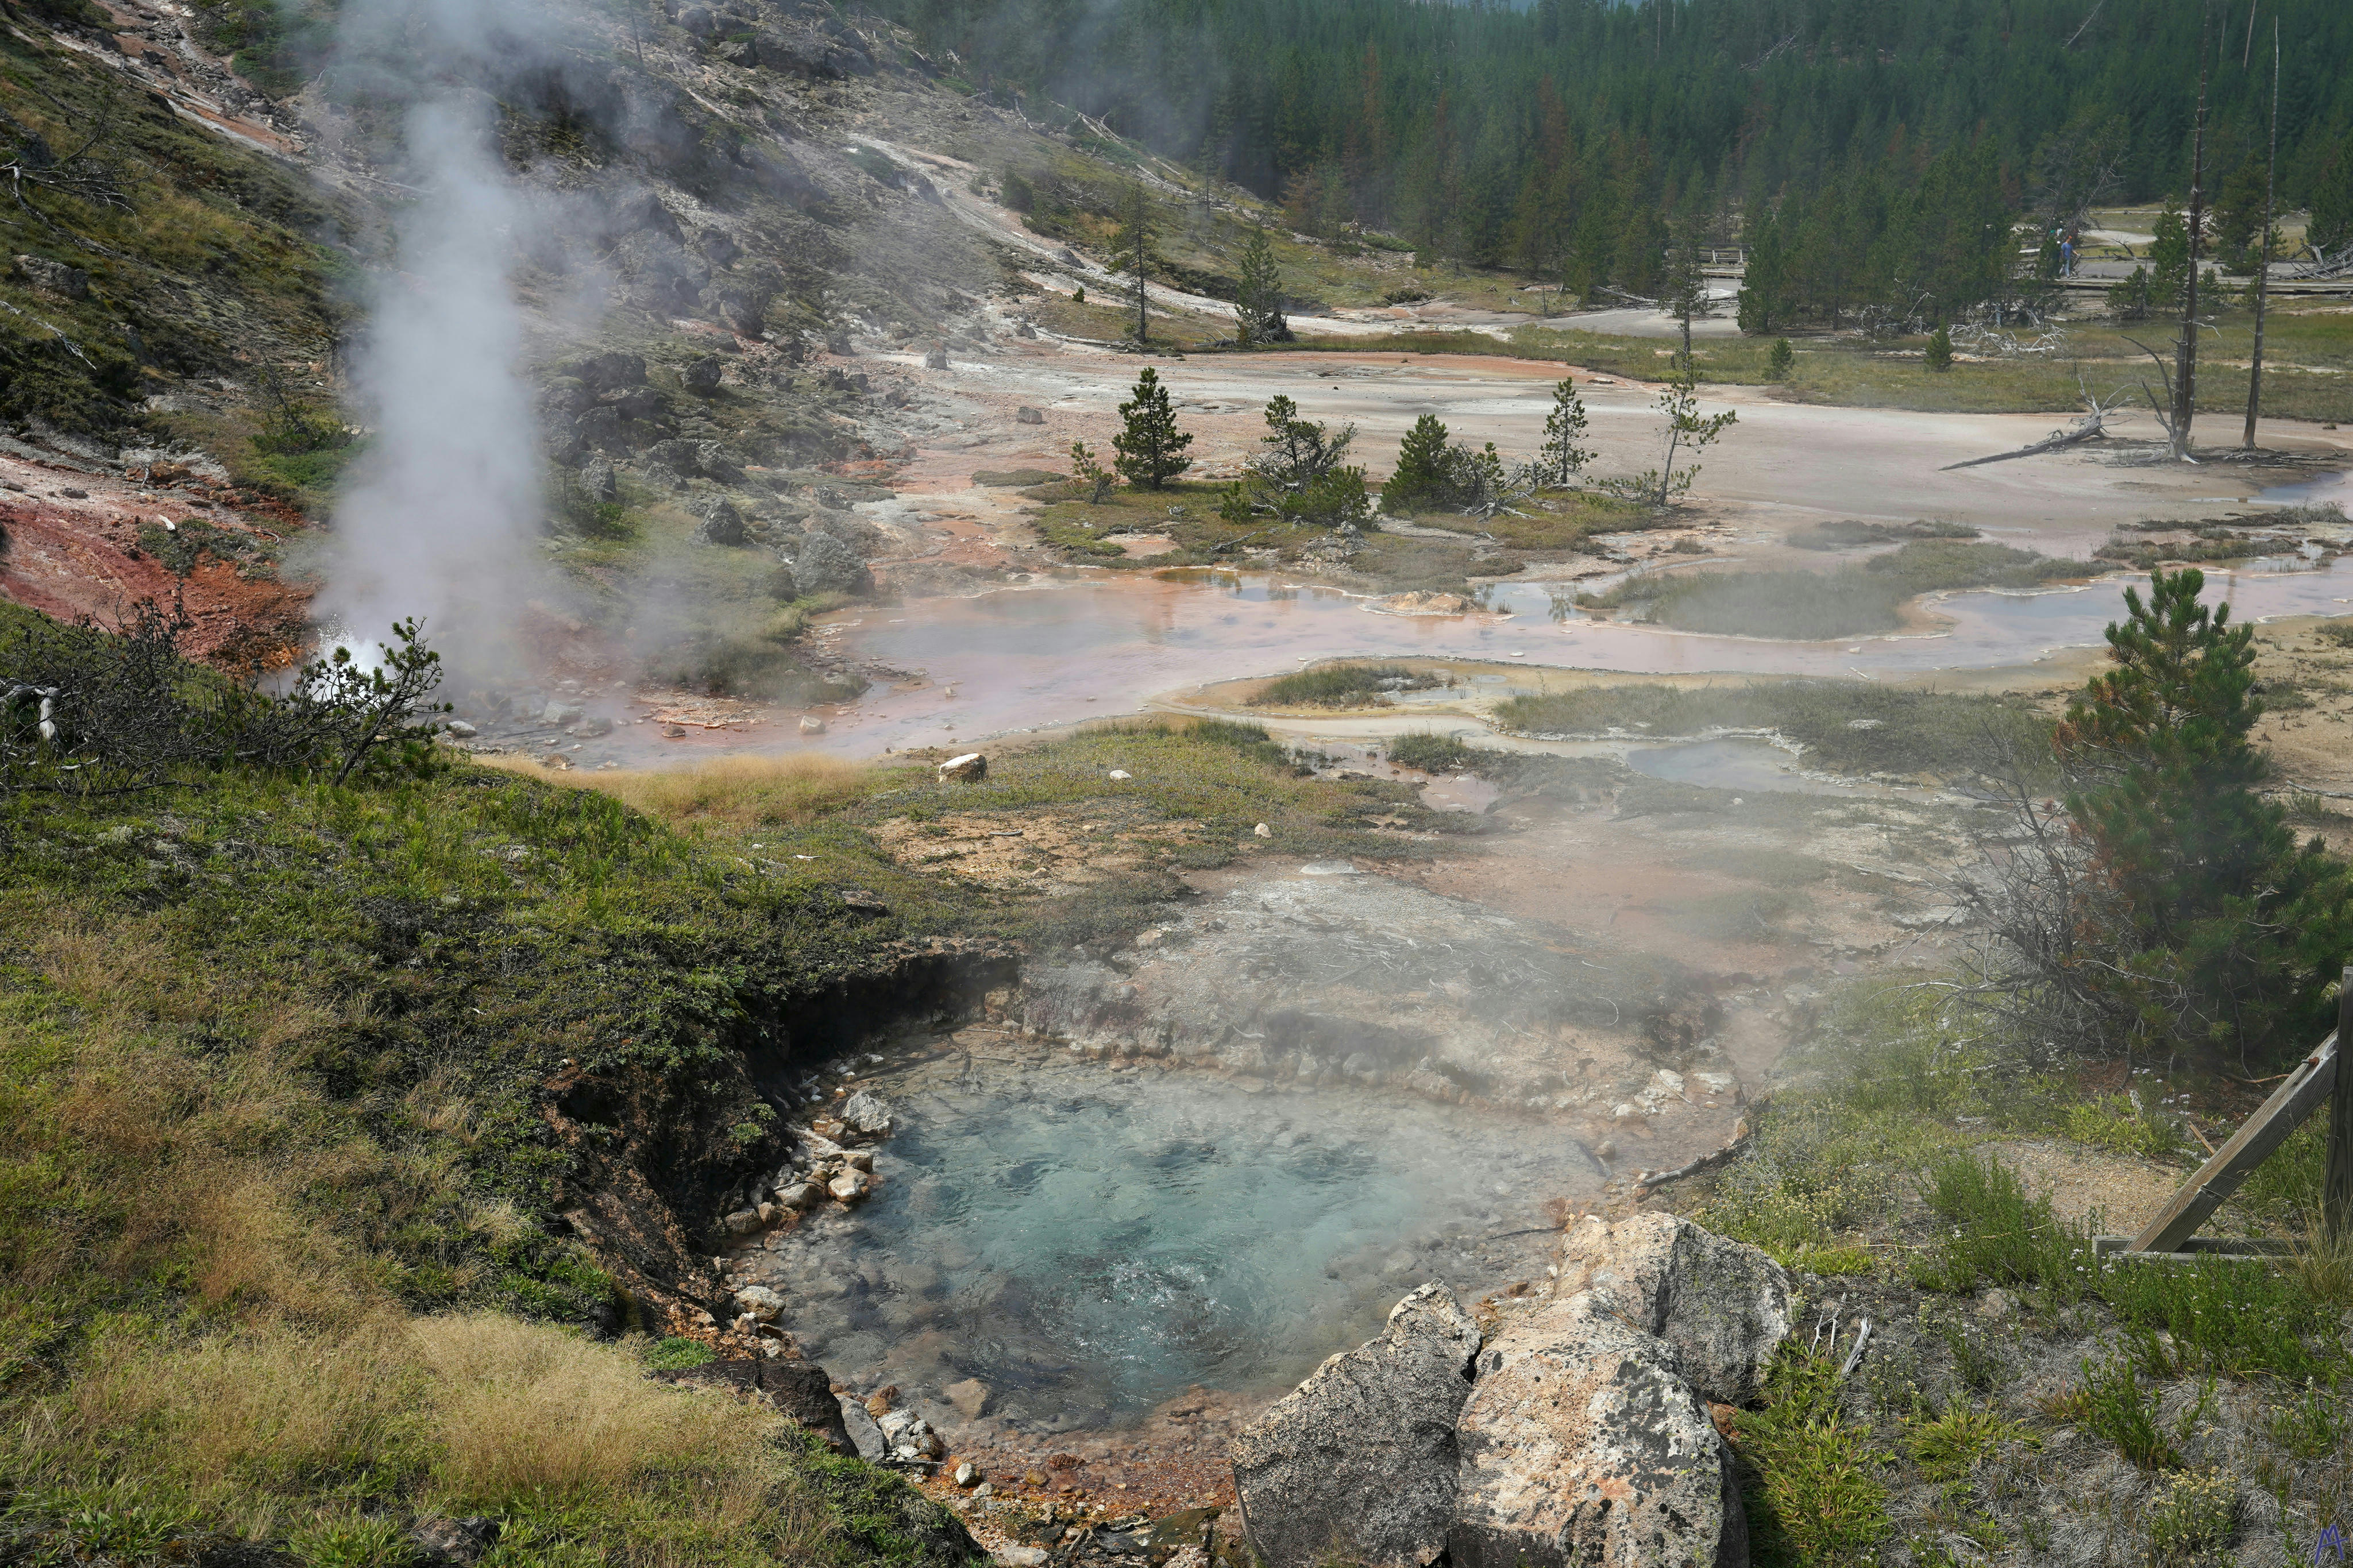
point(2089, 427)
point(1741, 1138)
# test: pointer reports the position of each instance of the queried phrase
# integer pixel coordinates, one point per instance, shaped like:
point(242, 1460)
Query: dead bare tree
point(32, 168)
point(2263, 252)
point(2185, 345)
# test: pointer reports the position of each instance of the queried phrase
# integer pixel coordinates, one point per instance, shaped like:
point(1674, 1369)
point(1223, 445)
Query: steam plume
point(438, 519)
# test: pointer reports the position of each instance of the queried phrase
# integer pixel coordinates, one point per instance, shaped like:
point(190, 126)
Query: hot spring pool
point(1090, 1242)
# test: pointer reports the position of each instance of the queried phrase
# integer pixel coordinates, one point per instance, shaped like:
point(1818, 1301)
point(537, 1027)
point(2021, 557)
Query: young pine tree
point(1939, 354)
point(1151, 449)
point(1563, 456)
point(1780, 361)
point(1258, 302)
point(2221, 933)
point(1296, 451)
point(1424, 475)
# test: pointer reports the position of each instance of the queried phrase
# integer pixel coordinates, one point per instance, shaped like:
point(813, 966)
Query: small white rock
point(459, 729)
point(1263, 831)
point(1120, 774)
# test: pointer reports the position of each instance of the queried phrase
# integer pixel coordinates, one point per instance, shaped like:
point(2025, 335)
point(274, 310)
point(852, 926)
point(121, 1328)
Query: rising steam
point(438, 519)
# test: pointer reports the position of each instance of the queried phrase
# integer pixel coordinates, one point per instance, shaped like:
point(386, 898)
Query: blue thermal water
point(1089, 1243)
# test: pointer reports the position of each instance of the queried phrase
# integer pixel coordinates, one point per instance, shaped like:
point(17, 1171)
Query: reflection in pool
point(1091, 1242)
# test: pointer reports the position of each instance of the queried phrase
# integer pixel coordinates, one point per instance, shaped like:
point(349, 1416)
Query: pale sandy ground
point(1781, 464)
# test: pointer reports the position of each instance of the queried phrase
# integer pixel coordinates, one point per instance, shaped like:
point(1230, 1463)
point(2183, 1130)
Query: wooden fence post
point(2336, 1193)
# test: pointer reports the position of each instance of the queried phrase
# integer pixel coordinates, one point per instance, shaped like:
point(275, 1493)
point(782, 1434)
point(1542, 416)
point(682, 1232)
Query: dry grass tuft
point(226, 1418)
point(740, 793)
point(476, 1413)
point(521, 1409)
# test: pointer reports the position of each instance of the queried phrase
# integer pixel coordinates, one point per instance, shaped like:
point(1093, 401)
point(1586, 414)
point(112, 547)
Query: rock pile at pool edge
point(1579, 1433)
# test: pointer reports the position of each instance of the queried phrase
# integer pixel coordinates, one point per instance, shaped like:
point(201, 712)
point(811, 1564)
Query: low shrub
point(1341, 685)
point(1816, 1495)
point(1432, 753)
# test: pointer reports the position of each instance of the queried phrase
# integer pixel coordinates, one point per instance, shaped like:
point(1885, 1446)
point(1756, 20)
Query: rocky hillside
point(732, 211)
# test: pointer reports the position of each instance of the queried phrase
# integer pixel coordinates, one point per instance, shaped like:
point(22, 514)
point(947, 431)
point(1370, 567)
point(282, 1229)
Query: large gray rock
point(722, 523)
point(1358, 1463)
point(864, 1435)
point(825, 565)
point(1723, 1305)
point(1583, 1444)
point(867, 1112)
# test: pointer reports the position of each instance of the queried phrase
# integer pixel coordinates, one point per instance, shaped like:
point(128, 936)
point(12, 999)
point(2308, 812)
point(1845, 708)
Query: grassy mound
point(1431, 754)
point(1341, 685)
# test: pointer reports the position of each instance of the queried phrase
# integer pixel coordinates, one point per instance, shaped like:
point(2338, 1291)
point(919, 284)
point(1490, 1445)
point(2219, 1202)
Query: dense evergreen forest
point(1569, 136)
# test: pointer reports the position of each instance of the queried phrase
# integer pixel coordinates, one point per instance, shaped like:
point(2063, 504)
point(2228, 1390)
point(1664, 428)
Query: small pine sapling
point(1780, 361)
point(1423, 469)
point(1940, 350)
point(1151, 449)
point(1091, 473)
point(1563, 456)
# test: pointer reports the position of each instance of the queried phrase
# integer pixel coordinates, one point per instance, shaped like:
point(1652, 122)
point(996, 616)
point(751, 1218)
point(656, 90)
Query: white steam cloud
point(438, 520)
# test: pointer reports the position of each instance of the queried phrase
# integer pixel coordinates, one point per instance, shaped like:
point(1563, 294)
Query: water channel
point(1025, 658)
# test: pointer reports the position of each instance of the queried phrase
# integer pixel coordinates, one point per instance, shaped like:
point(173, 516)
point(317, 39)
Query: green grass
point(1432, 753)
point(1811, 605)
point(1815, 1495)
point(2219, 1316)
point(1341, 685)
point(1947, 1447)
point(1844, 726)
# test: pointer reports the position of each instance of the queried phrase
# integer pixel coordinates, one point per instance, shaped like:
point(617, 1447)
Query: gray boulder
point(602, 485)
point(825, 565)
point(1583, 1444)
point(1358, 1464)
point(722, 523)
point(868, 1113)
point(1723, 1305)
point(702, 374)
point(54, 277)
point(612, 372)
point(873, 1447)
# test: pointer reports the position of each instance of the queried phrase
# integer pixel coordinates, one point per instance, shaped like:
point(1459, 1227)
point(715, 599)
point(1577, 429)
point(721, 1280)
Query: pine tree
point(1151, 449)
point(1780, 361)
point(1562, 458)
point(1765, 286)
point(1297, 451)
point(1424, 474)
point(2222, 933)
point(2332, 199)
point(1939, 354)
point(1258, 301)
